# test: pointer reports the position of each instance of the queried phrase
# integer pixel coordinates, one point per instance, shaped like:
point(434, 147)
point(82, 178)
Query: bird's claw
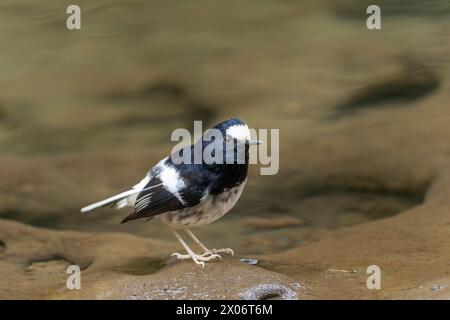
point(212, 256)
point(180, 256)
point(216, 251)
point(198, 259)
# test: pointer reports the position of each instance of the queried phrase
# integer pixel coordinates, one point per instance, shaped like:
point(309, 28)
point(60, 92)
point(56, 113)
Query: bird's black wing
point(155, 199)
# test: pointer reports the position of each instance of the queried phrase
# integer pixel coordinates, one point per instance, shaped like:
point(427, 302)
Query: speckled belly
point(211, 209)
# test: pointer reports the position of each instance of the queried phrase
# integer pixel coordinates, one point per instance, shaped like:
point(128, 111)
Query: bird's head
point(235, 130)
point(233, 138)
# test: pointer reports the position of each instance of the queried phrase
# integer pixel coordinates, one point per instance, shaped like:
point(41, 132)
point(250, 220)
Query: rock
point(269, 291)
point(119, 266)
point(411, 249)
point(415, 80)
point(437, 289)
point(272, 223)
point(187, 281)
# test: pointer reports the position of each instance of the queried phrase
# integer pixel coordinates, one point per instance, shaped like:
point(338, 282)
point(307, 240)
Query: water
point(84, 114)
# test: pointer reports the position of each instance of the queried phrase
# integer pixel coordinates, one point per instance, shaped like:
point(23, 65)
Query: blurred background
point(363, 114)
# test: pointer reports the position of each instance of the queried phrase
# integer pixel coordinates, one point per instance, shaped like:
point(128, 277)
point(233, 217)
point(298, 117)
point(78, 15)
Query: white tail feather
point(109, 200)
point(121, 196)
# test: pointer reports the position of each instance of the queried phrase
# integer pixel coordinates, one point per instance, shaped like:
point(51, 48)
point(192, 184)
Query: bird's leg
point(198, 259)
point(207, 251)
point(193, 237)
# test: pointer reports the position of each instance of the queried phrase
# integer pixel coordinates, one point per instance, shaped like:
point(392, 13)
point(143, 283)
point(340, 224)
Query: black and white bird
point(191, 194)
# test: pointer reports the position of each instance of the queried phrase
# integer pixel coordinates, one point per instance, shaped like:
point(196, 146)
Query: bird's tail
point(112, 200)
point(118, 199)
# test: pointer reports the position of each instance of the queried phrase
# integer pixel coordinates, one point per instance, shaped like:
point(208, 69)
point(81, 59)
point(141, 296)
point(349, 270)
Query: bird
point(190, 194)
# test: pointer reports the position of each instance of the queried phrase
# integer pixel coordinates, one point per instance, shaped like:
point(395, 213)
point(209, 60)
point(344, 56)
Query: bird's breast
point(213, 207)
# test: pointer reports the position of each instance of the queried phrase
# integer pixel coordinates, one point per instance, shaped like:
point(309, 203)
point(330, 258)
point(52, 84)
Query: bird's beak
point(255, 142)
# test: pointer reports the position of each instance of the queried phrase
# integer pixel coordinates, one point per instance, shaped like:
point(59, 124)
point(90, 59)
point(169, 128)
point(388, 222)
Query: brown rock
point(272, 223)
point(118, 266)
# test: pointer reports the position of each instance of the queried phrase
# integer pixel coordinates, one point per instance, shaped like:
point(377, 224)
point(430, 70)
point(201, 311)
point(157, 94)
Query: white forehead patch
point(239, 132)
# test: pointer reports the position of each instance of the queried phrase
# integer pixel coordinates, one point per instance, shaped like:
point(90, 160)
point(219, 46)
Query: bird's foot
point(198, 259)
point(216, 251)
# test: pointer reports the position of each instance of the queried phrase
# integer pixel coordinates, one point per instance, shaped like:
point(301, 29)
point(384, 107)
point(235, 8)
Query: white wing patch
point(172, 182)
point(170, 179)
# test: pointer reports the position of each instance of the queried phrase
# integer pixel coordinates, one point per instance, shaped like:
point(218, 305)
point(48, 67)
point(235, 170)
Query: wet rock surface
point(411, 249)
point(119, 266)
